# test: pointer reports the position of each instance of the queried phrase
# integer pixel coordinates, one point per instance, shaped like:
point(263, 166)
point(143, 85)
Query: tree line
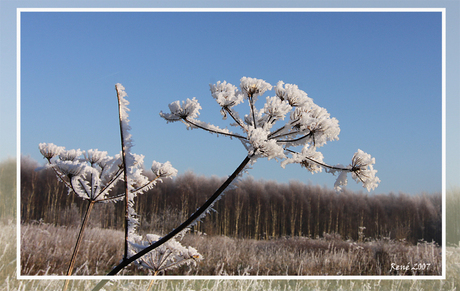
point(255, 209)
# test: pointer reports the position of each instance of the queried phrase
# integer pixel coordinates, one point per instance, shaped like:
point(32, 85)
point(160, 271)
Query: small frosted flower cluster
point(189, 108)
point(165, 170)
point(362, 170)
point(169, 255)
point(305, 124)
point(92, 174)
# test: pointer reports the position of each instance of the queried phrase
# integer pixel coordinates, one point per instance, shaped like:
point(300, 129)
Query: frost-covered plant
point(169, 255)
point(92, 175)
point(307, 125)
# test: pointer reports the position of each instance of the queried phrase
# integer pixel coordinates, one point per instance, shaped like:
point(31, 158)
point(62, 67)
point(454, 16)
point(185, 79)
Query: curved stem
point(184, 225)
point(60, 175)
point(78, 243)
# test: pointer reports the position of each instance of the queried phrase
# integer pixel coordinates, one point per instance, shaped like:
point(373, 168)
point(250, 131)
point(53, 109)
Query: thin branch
point(289, 124)
point(291, 140)
point(237, 120)
point(146, 185)
point(78, 243)
point(113, 180)
point(251, 104)
point(112, 198)
point(323, 164)
point(60, 175)
point(214, 131)
point(83, 186)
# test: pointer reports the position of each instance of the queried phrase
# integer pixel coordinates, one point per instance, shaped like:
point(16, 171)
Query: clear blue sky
point(378, 73)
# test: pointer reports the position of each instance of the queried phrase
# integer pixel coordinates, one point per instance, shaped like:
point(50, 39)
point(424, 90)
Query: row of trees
point(253, 209)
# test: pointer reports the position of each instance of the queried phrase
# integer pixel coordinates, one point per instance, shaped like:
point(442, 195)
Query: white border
point(355, 277)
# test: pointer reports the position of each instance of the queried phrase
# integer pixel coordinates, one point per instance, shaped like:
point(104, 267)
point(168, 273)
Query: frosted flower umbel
point(362, 170)
point(50, 150)
point(252, 87)
point(305, 125)
point(168, 256)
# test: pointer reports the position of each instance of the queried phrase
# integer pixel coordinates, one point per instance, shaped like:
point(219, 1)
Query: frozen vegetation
point(307, 237)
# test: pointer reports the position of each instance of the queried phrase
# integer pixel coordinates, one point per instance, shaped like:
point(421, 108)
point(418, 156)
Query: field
point(8, 279)
point(45, 249)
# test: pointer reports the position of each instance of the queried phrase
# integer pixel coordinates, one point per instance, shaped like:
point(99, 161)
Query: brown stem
point(78, 243)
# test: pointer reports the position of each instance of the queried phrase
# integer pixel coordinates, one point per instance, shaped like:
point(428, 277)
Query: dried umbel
point(306, 125)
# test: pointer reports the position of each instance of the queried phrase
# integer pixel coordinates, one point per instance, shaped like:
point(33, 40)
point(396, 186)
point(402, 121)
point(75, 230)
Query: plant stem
point(214, 131)
point(152, 281)
point(125, 176)
point(187, 223)
point(251, 103)
point(237, 120)
point(78, 243)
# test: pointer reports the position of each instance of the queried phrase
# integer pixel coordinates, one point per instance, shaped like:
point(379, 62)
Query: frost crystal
point(163, 170)
point(341, 181)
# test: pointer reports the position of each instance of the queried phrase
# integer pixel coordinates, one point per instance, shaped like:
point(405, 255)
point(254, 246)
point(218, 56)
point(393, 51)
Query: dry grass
point(301, 256)
point(46, 250)
point(8, 279)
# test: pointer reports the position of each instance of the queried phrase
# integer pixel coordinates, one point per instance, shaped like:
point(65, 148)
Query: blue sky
point(370, 72)
point(378, 73)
